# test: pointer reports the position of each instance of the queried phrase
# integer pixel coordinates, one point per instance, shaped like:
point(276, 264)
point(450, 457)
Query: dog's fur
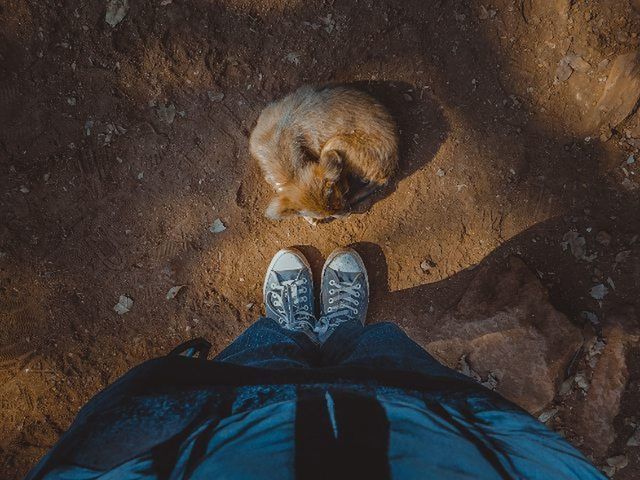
point(309, 142)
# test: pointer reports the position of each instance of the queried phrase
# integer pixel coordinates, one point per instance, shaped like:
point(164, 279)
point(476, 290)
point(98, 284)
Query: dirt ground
point(121, 145)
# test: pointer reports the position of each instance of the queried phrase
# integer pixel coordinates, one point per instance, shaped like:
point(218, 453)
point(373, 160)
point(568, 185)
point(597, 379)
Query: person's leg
point(380, 346)
point(284, 338)
point(266, 344)
point(346, 341)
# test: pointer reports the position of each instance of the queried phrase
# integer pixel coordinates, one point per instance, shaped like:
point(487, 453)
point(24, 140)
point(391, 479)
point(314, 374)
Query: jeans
point(381, 345)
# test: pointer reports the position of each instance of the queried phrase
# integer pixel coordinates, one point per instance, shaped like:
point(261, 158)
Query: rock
point(486, 13)
point(591, 317)
point(173, 291)
point(215, 96)
point(566, 386)
point(504, 325)
point(595, 415)
point(167, 113)
point(124, 305)
point(598, 291)
point(293, 58)
point(427, 264)
point(576, 243)
point(217, 226)
point(24, 189)
point(581, 381)
point(547, 415)
point(116, 11)
point(568, 64)
point(634, 440)
point(621, 93)
point(618, 462)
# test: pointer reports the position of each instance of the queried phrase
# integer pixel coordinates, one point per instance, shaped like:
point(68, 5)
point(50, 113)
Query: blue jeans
point(381, 345)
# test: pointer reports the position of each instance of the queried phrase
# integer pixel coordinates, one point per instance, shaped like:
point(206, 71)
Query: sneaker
point(344, 292)
point(288, 292)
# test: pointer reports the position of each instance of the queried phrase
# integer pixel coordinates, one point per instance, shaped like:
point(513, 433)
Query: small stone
point(427, 265)
point(486, 13)
point(217, 226)
point(407, 97)
point(116, 11)
point(249, 306)
point(440, 172)
point(565, 387)
point(167, 113)
point(548, 415)
point(618, 462)
point(293, 58)
point(173, 291)
point(140, 175)
point(215, 96)
point(71, 101)
point(88, 125)
point(124, 305)
point(46, 177)
point(24, 189)
point(634, 440)
point(611, 284)
point(598, 291)
point(591, 317)
point(576, 243)
point(631, 160)
point(582, 382)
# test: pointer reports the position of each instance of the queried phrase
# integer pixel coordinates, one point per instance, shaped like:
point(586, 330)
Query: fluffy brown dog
point(310, 142)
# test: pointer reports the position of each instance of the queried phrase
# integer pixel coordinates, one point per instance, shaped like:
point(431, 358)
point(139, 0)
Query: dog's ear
point(333, 165)
point(280, 207)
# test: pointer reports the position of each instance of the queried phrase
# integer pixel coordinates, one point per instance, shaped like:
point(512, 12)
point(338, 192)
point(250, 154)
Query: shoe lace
point(289, 300)
point(347, 295)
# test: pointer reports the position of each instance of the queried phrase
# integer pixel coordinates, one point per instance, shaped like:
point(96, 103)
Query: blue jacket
point(176, 417)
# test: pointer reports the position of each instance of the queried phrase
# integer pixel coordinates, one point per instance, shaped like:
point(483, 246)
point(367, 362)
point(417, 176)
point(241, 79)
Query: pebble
point(582, 382)
point(618, 462)
point(124, 305)
point(427, 265)
point(548, 415)
point(215, 96)
point(598, 291)
point(634, 440)
point(217, 226)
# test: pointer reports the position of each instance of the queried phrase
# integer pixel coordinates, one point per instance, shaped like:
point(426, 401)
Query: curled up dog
point(311, 142)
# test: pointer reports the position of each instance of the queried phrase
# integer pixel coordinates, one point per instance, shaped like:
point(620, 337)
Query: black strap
point(340, 435)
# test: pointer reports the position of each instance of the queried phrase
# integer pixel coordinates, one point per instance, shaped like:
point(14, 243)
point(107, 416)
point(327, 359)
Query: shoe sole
point(277, 256)
point(361, 264)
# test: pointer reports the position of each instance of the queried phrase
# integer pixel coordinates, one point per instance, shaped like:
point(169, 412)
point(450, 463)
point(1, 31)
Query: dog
point(309, 143)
